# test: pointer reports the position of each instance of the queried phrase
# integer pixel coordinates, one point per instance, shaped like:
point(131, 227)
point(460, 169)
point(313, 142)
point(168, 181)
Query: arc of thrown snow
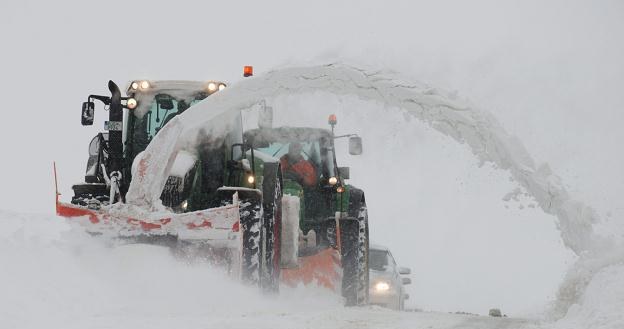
point(479, 130)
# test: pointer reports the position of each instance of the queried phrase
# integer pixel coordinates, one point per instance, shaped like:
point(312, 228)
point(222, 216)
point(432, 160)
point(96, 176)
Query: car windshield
point(379, 260)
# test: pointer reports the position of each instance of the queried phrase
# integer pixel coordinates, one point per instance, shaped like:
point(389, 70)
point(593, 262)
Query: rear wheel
point(363, 245)
point(354, 241)
point(272, 224)
point(252, 250)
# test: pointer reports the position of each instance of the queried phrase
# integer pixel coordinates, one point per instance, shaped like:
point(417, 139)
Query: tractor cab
point(152, 104)
point(134, 122)
point(310, 169)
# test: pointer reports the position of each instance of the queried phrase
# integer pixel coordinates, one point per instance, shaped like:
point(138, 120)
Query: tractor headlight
point(212, 87)
point(333, 180)
point(145, 85)
point(382, 286)
point(221, 86)
point(134, 85)
point(251, 179)
point(131, 103)
point(184, 205)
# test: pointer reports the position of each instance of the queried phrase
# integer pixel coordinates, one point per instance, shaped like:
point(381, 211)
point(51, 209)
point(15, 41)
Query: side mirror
point(405, 270)
point(406, 281)
point(355, 145)
point(343, 172)
point(88, 112)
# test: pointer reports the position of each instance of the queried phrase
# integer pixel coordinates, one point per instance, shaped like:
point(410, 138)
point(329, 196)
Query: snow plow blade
point(323, 269)
point(216, 225)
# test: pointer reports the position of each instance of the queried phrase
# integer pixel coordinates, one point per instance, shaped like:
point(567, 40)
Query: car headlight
point(382, 286)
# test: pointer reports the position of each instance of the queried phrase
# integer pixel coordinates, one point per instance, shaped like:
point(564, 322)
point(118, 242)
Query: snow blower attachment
point(269, 203)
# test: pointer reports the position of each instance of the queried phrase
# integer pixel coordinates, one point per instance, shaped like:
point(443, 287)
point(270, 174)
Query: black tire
point(272, 224)
point(363, 247)
point(349, 229)
point(355, 249)
point(251, 227)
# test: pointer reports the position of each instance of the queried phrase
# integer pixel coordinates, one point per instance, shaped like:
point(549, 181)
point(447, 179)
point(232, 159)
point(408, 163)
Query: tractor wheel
point(363, 245)
point(355, 243)
point(272, 226)
point(252, 253)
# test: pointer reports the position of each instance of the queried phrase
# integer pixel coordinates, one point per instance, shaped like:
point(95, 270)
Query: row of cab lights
point(144, 85)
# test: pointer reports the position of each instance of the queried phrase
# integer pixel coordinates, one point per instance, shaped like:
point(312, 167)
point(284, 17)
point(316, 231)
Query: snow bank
point(55, 277)
point(601, 305)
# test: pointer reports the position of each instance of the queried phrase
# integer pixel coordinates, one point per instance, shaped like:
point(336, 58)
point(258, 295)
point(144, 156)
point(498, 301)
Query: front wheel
point(272, 226)
point(250, 228)
point(354, 242)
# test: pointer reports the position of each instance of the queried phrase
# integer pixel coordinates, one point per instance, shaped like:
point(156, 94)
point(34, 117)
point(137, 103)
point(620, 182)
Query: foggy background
point(551, 72)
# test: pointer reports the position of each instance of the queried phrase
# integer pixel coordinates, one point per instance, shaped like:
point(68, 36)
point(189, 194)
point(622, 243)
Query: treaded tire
point(363, 247)
point(272, 224)
point(355, 246)
point(251, 227)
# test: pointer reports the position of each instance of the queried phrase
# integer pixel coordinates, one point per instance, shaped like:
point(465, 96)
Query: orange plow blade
point(219, 225)
point(322, 268)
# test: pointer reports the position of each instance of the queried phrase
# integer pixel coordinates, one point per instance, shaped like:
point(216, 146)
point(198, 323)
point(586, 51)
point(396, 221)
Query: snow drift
point(54, 276)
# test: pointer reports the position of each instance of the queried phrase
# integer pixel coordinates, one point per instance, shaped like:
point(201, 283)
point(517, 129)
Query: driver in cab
point(296, 166)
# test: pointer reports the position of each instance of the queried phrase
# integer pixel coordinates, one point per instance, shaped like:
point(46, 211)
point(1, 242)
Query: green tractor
point(231, 199)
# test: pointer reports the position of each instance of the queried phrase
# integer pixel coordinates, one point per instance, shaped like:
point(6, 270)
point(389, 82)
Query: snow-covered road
point(364, 318)
point(54, 276)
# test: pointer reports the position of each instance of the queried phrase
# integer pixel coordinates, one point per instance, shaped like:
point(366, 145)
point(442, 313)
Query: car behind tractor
point(233, 199)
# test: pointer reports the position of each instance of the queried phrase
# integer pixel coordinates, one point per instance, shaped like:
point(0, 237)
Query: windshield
point(310, 151)
point(162, 109)
point(379, 260)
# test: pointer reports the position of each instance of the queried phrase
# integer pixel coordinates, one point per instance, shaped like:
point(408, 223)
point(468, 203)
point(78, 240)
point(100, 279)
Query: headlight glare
point(382, 286)
point(212, 87)
point(333, 180)
point(131, 103)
